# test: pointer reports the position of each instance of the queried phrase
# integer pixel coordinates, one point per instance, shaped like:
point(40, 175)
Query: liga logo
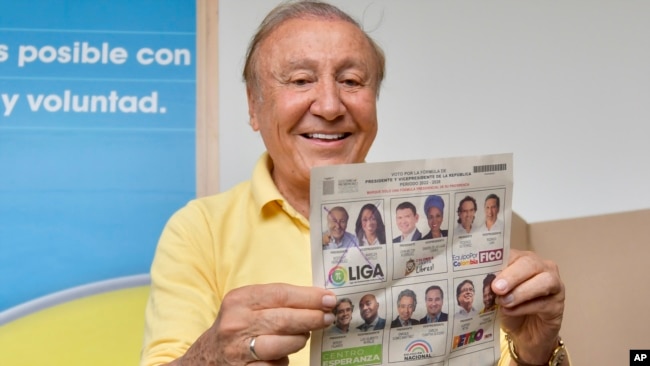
point(338, 276)
point(418, 350)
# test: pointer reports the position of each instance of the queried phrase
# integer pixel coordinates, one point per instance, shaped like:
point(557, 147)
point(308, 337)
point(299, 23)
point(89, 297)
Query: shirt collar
point(265, 192)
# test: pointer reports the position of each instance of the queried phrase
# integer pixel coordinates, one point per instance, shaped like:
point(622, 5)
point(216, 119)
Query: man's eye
point(301, 81)
point(351, 82)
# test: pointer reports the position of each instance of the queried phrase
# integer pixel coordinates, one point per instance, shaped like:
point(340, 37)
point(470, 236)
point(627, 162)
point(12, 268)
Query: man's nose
point(327, 101)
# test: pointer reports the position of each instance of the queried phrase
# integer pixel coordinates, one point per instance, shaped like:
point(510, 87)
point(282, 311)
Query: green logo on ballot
point(367, 355)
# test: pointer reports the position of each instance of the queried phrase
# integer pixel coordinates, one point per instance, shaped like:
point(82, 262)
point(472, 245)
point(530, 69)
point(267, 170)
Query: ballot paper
point(410, 249)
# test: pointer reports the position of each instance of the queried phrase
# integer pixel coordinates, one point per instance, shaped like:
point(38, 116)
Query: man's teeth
point(322, 136)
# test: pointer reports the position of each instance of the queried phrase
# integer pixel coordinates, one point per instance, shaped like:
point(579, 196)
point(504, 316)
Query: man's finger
point(522, 266)
point(286, 321)
point(543, 285)
point(280, 295)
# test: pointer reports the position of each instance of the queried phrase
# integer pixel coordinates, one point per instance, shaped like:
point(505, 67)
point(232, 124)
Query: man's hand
point(278, 316)
point(531, 298)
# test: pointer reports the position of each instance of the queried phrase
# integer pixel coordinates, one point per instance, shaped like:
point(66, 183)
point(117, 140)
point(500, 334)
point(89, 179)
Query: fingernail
point(329, 301)
point(507, 300)
point(501, 285)
point(329, 318)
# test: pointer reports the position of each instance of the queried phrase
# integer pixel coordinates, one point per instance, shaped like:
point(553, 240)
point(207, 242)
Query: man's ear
point(252, 107)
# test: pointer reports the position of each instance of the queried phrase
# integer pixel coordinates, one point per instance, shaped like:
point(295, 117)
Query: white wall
point(564, 85)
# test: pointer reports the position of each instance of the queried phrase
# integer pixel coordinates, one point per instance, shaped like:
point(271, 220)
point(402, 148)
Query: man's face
point(368, 221)
point(316, 104)
point(491, 210)
point(405, 308)
point(368, 307)
point(434, 302)
point(466, 297)
point(406, 220)
point(467, 212)
point(488, 297)
point(337, 223)
point(434, 218)
point(343, 314)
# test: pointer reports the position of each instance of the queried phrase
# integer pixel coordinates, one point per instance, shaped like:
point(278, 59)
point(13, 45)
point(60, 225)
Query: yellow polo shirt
point(247, 235)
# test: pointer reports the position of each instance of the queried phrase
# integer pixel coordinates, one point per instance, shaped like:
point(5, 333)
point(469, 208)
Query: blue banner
point(97, 138)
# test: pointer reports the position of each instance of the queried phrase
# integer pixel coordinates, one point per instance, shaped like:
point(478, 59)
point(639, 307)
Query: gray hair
point(301, 9)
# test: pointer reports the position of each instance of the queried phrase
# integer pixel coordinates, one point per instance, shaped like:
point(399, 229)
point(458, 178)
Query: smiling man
point(368, 309)
point(492, 221)
point(434, 297)
point(465, 299)
point(312, 79)
point(314, 99)
point(343, 313)
point(231, 277)
point(466, 213)
point(406, 217)
point(336, 235)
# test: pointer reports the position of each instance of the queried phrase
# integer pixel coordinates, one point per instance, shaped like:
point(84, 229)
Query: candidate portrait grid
point(434, 216)
point(363, 223)
point(474, 219)
point(414, 304)
point(414, 309)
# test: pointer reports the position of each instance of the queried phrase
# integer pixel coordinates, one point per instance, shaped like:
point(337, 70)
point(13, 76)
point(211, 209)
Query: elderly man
point(336, 235)
point(231, 277)
point(406, 304)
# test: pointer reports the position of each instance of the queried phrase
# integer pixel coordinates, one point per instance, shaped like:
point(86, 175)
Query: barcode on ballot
point(328, 187)
point(490, 168)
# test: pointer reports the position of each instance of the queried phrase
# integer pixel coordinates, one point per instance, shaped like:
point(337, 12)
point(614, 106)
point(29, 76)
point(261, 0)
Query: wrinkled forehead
point(296, 40)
